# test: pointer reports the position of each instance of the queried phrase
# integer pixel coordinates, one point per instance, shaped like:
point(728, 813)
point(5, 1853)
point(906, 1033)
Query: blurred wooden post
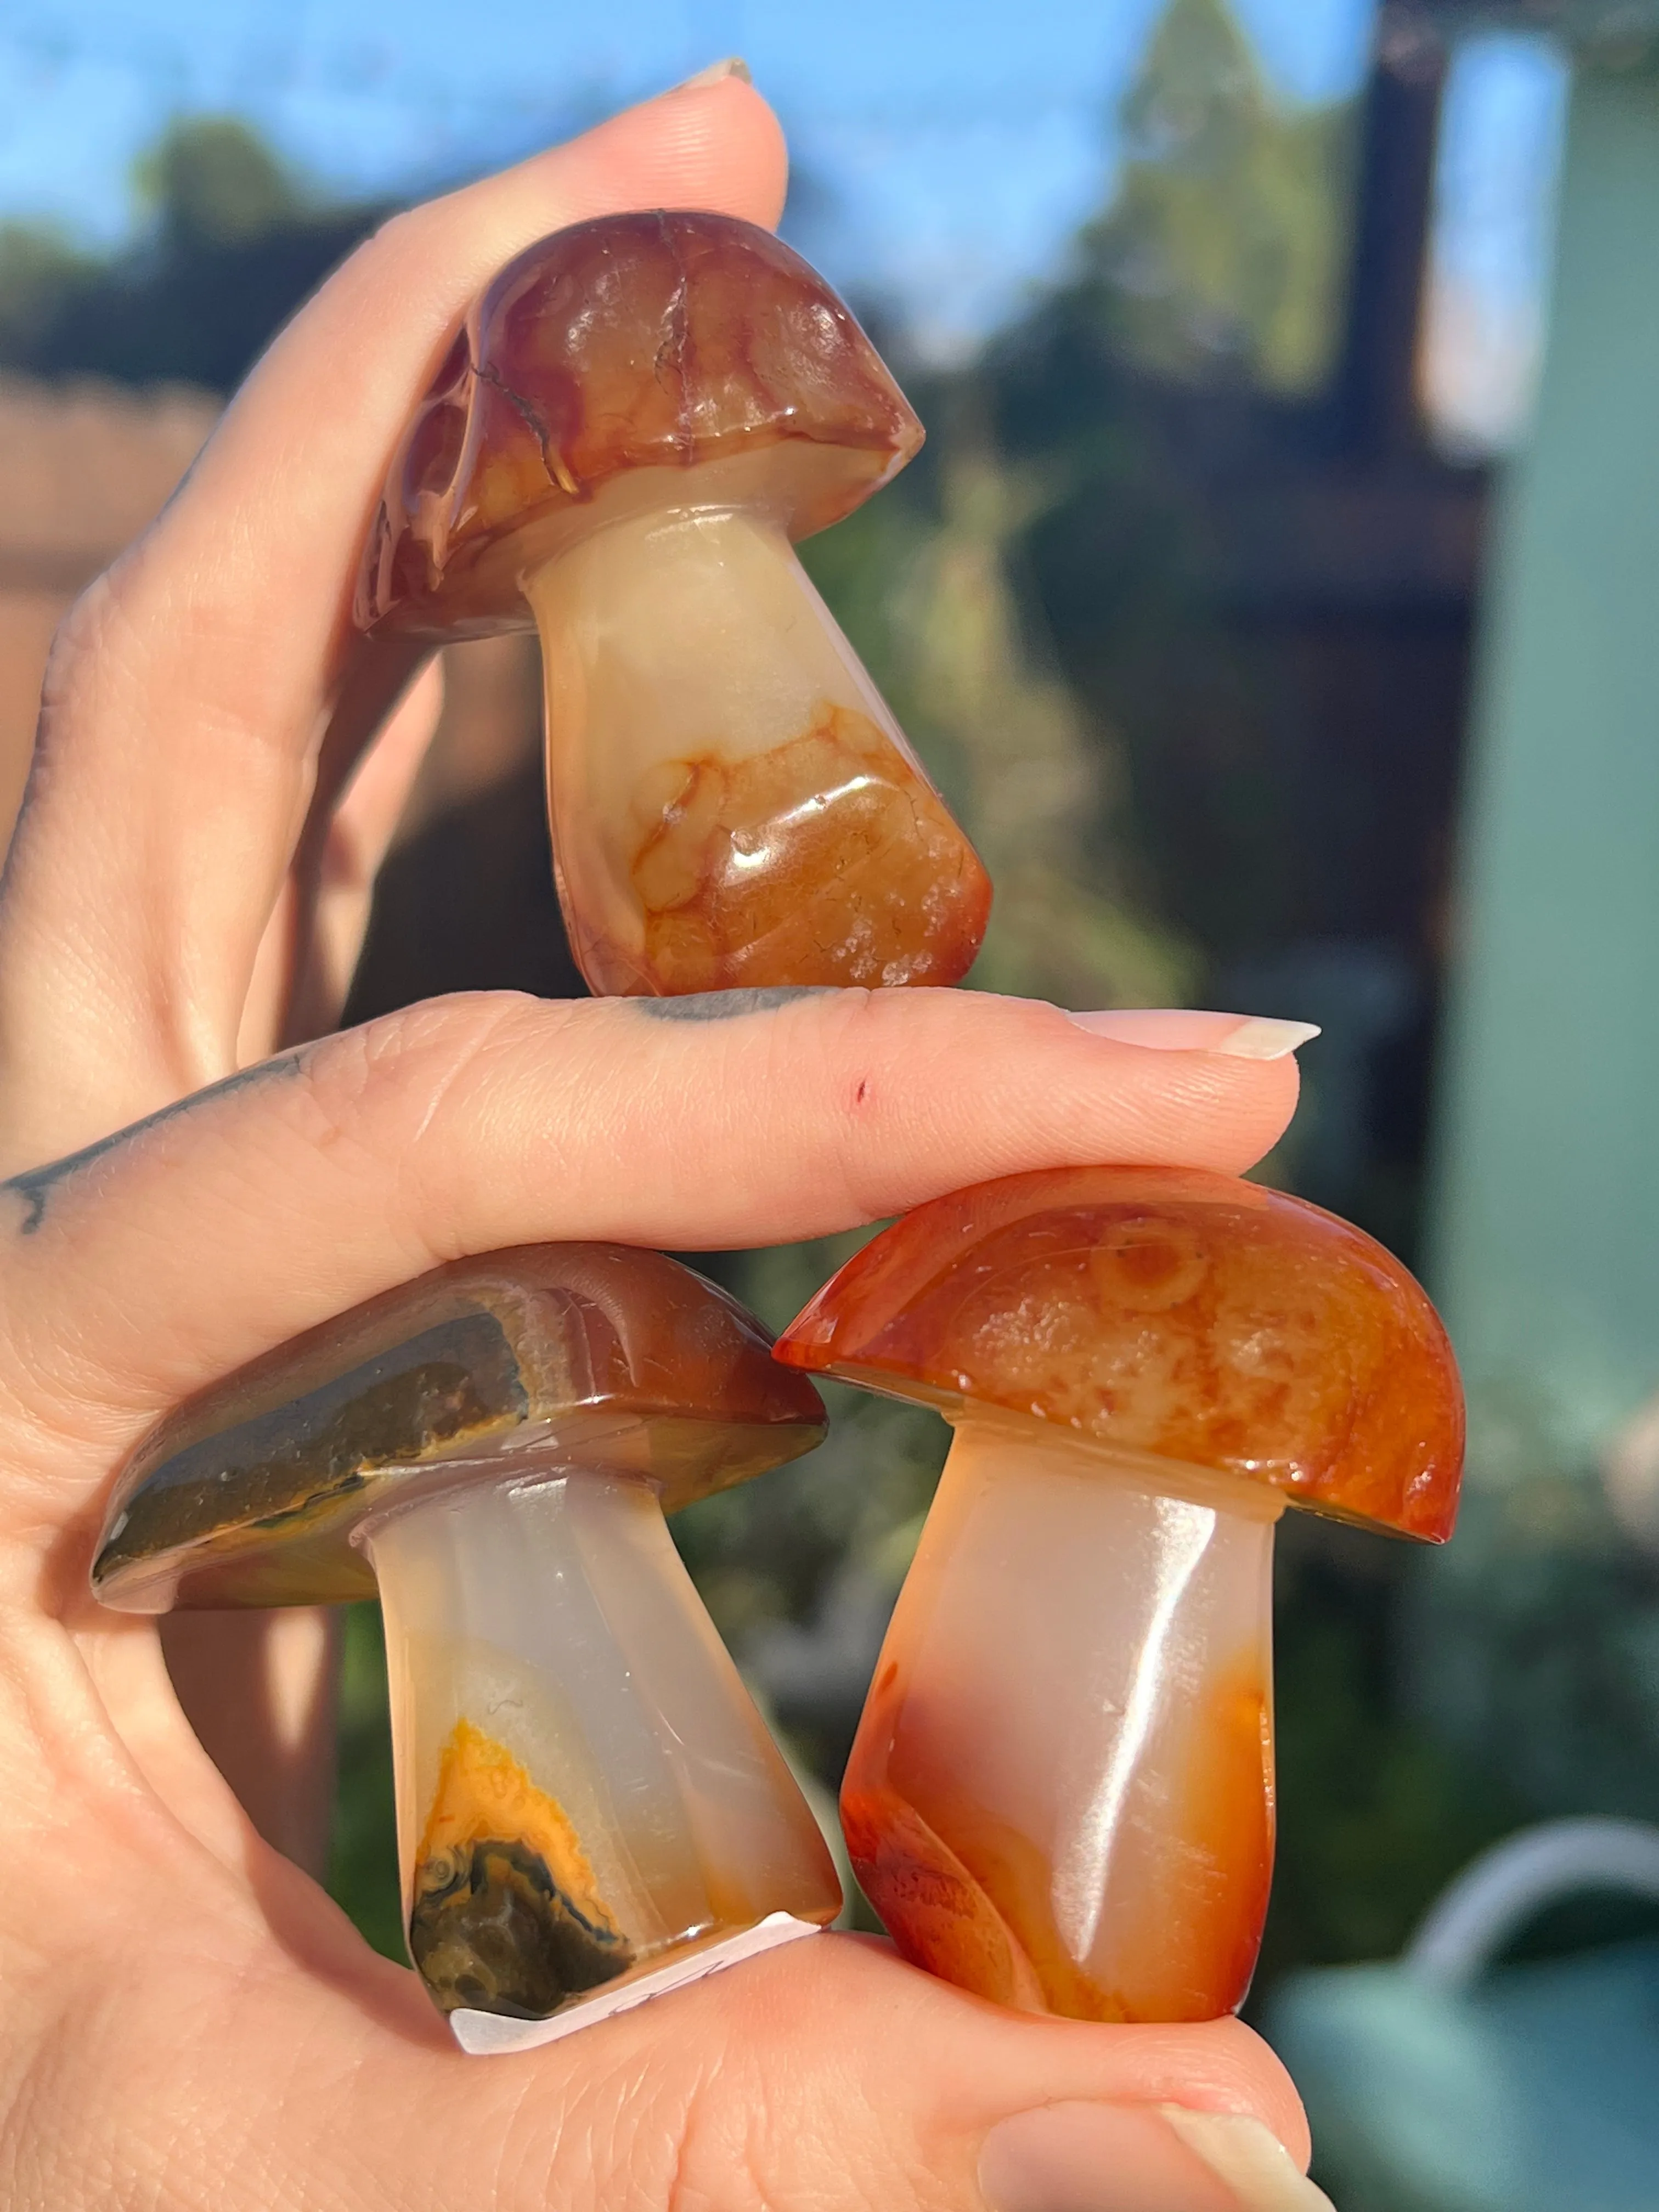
point(1548, 1213)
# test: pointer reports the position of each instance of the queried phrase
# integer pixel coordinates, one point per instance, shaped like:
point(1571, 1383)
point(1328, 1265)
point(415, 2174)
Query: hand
point(189, 2022)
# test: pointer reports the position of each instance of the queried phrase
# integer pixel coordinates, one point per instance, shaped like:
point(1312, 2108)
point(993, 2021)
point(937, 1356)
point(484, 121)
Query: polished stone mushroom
point(638, 417)
point(589, 1807)
point(1061, 1791)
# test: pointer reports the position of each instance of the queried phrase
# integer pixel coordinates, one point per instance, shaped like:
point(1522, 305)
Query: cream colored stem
point(706, 719)
point(672, 633)
point(557, 1683)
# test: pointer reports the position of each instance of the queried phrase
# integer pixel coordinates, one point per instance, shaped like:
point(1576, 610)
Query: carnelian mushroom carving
point(590, 1810)
point(1061, 1791)
point(636, 419)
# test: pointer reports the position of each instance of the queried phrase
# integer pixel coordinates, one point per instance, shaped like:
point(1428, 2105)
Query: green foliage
point(928, 588)
point(230, 244)
point(39, 268)
point(1216, 268)
point(211, 177)
point(774, 1554)
point(362, 1870)
point(1536, 1640)
point(1224, 244)
point(1375, 1814)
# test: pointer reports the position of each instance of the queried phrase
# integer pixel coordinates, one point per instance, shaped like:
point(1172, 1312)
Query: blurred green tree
point(211, 176)
point(40, 268)
point(929, 583)
point(1223, 244)
point(229, 243)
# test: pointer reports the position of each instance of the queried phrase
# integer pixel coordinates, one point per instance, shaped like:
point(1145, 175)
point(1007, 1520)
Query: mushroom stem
point(731, 802)
point(1061, 1791)
point(585, 1790)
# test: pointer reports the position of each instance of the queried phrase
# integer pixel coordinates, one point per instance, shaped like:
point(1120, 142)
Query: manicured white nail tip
point(488, 2033)
point(717, 73)
point(1180, 1029)
point(1261, 1039)
point(1248, 2157)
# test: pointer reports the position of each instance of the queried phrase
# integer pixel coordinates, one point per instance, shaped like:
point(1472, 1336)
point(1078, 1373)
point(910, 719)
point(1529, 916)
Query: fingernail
point(1175, 1029)
point(716, 73)
point(1096, 2158)
point(1249, 2158)
point(1115, 2158)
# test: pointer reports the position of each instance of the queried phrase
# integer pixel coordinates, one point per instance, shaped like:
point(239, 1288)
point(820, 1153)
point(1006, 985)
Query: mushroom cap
point(610, 1357)
point(636, 361)
point(1164, 1311)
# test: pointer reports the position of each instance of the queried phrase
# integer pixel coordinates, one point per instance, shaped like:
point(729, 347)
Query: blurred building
point(1347, 561)
point(1545, 1649)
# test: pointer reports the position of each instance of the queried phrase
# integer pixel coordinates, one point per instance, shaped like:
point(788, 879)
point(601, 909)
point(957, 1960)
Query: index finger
point(186, 700)
point(160, 1261)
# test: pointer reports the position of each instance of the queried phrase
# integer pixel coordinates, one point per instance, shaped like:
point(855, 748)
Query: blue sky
point(955, 143)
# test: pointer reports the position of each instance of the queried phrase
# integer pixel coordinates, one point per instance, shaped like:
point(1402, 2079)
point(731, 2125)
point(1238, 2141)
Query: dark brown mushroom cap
point(663, 341)
point(247, 1494)
point(1165, 1311)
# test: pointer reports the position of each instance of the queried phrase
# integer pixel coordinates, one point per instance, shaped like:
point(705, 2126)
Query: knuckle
point(99, 640)
point(412, 1048)
point(404, 235)
point(412, 1092)
point(761, 2101)
point(389, 239)
point(700, 2147)
point(781, 2117)
point(80, 641)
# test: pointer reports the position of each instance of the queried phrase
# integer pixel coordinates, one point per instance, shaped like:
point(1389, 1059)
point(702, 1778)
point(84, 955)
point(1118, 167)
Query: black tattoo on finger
point(725, 1006)
point(37, 1185)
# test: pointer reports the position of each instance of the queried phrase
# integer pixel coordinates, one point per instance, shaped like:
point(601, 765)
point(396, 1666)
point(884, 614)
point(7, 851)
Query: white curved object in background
point(1494, 1897)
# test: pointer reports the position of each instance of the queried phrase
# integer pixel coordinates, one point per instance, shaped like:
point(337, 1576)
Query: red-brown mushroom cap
point(663, 342)
point(1166, 1311)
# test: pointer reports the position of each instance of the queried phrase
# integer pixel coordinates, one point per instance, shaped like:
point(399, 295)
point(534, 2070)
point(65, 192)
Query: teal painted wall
point(1545, 1241)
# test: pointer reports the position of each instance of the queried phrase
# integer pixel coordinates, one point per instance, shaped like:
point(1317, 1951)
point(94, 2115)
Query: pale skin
point(189, 2021)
